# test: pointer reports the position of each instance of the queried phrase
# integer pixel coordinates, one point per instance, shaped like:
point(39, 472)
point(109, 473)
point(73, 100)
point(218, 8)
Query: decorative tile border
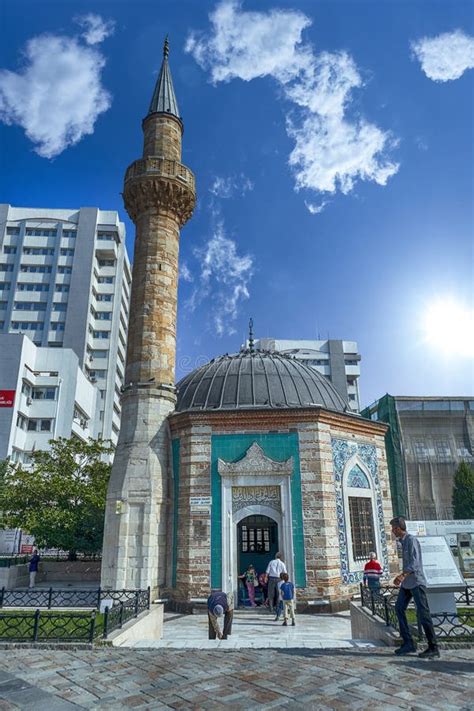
point(342, 451)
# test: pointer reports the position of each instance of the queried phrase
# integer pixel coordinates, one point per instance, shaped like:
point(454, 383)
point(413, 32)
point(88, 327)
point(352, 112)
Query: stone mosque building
point(250, 454)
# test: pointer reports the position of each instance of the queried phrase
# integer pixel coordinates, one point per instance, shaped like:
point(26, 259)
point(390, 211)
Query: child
point(287, 592)
point(250, 579)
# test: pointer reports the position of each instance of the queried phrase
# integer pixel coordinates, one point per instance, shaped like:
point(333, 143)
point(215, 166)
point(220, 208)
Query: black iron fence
point(52, 598)
point(71, 626)
point(458, 625)
point(10, 561)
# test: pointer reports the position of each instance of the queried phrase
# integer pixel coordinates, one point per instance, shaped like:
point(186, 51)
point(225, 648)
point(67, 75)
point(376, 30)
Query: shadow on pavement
point(442, 667)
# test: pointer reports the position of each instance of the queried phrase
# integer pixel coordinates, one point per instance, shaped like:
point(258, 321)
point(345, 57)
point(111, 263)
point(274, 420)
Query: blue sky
point(332, 144)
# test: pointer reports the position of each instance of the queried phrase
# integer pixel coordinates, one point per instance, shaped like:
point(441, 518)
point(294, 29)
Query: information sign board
point(439, 566)
point(7, 398)
point(200, 503)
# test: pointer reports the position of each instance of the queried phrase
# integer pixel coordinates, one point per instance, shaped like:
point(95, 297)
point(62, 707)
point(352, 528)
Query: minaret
point(159, 195)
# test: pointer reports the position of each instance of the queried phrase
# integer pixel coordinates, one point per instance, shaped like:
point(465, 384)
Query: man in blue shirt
point(33, 567)
point(220, 603)
point(412, 584)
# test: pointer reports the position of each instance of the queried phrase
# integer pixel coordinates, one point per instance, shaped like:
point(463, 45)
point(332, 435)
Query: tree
point(60, 499)
point(463, 492)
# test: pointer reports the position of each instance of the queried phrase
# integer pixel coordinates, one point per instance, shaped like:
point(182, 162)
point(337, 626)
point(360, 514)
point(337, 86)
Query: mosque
point(250, 454)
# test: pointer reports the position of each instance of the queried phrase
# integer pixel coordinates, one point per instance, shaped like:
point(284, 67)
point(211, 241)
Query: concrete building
point(44, 395)
point(251, 453)
point(427, 439)
point(65, 283)
point(339, 361)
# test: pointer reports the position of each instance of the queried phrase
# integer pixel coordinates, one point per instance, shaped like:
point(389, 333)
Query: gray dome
point(256, 379)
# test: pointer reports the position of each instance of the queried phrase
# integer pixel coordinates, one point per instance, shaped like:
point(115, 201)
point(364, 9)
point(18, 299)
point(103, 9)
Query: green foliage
point(463, 492)
point(61, 498)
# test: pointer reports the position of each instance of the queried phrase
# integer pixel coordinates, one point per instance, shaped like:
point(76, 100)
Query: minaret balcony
point(162, 167)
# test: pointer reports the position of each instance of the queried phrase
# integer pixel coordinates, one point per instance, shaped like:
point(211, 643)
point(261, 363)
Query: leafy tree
point(60, 499)
point(463, 492)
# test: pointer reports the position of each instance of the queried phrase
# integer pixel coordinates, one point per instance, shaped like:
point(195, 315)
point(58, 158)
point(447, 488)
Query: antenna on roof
point(251, 341)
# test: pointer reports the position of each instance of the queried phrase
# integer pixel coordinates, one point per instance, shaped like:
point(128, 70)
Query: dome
point(256, 379)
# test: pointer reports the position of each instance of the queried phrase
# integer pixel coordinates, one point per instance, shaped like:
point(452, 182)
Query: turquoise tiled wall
point(278, 447)
point(175, 445)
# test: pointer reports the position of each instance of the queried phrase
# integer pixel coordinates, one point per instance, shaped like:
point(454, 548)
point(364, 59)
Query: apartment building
point(338, 360)
point(65, 283)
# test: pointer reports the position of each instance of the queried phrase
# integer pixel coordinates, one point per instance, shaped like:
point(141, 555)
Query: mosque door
point(257, 543)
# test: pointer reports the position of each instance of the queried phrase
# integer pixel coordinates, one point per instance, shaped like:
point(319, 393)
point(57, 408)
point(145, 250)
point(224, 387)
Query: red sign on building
point(26, 549)
point(7, 398)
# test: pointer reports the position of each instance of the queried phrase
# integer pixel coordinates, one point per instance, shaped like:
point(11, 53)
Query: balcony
point(163, 167)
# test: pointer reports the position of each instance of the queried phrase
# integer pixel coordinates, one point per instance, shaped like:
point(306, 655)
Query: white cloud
point(226, 187)
point(315, 209)
point(96, 29)
point(332, 149)
point(445, 57)
point(57, 96)
point(185, 272)
point(225, 276)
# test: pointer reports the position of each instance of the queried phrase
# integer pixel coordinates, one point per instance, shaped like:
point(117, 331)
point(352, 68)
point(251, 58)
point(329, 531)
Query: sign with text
point(439, 566)
point(200, 503)
point(7, 398)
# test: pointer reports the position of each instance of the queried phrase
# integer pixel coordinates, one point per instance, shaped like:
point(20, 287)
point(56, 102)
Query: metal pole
point(99, 596)
point(148, 597)
point(121, 615)
point(92, 627)
point(137, 593)
point(106, 622)
point(2, 593)
point(36, 626)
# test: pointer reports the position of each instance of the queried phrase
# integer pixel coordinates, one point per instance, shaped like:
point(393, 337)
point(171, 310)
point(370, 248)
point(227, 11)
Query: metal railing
point(446, 625)
point(9, 561)
point(73, 626)
point(52, 598)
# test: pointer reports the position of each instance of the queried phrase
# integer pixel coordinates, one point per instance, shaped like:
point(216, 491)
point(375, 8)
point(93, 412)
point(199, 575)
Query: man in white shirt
point(274, 568)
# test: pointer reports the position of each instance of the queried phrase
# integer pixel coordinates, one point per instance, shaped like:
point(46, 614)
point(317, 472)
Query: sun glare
point(449, 326)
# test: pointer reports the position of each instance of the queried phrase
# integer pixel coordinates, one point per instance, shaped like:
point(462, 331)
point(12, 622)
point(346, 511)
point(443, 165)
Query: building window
point(30, 305)
point(44, 251)
point(103, 315)
point(5, 285)
point(107, 236)
point(105, 280)
point(21, 421)
point(46, 425)
point(44, 393)
point(66, 252)
point(100, 334)
point(106, 262)
point(64, 270)
point(362, 527)
point(70, 233)
point(35, 269)
point(35, 232)
point(420, 451)
point(55, 344)
point(6, 267)
point(57, 326)
point(8, 249)
point(24, 286)
point(104, 297)
point(63, 288)
point(98, 353)
point(59, 307)
point(13, 230)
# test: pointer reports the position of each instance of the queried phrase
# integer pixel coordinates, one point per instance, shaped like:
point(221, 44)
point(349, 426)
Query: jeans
point(272, 592)
point(423, 614)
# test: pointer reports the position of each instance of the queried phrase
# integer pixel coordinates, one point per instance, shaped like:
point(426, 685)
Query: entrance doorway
point(257, 544)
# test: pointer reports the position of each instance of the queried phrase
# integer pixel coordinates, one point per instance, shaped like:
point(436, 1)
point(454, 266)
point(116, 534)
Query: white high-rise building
point(65, 283)
point(337, 360)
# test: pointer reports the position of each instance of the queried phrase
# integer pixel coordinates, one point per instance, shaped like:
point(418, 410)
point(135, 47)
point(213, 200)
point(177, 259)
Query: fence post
point(372, 601)
point(36, 626)
point(467, 595)
point(2, 593)
point(106, 622)
point(99, 597)
point(148, 601)
point(137, 593)
point(385, 605)
point(50, 598)
point(121, 615)
point(92, 627)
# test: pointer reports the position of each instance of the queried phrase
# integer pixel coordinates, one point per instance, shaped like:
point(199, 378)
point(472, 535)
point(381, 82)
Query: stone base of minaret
point(134, 551)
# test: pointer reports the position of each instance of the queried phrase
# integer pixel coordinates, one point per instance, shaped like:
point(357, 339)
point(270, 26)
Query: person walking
point(274, 569)
point(250, 579)
point(287, 592)
point(412, 584)
point(33, 567)
point(372, 573)
point(220, 603)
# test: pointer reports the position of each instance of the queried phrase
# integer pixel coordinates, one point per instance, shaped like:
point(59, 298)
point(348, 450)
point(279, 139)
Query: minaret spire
point(164, 98)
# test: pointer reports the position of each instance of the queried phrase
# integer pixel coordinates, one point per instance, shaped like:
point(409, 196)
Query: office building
point(65, 283)
point(427, 440)
point(339, 361)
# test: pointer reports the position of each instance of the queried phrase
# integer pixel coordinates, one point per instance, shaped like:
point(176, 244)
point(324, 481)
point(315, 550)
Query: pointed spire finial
point(166, 48)
point(251, 341)
point(164, 99)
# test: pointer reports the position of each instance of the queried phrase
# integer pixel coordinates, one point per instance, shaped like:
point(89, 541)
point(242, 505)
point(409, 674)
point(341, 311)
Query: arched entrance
point(257, 544)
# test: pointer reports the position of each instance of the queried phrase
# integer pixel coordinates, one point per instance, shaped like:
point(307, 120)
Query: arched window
point(358, 496)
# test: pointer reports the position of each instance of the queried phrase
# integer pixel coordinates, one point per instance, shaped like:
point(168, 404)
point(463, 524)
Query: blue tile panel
point(175, 448)
point(342, 451)
point(278, 447)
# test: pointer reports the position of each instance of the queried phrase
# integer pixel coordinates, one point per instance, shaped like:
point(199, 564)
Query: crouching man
point(218, 604)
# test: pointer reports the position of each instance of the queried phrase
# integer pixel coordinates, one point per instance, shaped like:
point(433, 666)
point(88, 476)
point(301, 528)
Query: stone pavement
point(255, 629)
point(164, 679)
